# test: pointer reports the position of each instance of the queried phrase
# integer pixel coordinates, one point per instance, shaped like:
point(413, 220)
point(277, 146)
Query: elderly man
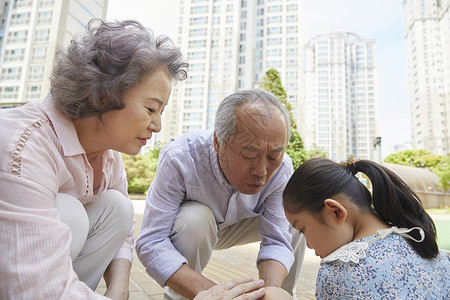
point(215, 190)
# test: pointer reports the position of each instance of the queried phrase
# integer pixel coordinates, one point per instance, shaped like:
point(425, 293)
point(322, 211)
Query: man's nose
point(259, 168)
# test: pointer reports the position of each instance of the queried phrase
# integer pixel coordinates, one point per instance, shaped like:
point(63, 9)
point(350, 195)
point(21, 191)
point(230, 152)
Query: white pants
point(98, 231)
point(195, 235)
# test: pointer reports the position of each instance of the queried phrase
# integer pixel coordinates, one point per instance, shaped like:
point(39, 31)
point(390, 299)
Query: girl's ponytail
point(397, 204)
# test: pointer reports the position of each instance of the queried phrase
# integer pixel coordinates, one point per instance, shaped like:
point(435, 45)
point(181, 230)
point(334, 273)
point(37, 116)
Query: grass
point(443, 233)
point(442, 225)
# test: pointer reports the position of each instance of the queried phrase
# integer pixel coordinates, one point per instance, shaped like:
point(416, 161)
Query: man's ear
point(335, 211)
point(216, 144)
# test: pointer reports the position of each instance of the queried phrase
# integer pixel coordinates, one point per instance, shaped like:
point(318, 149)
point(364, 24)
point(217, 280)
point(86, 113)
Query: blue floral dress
point(383, 266)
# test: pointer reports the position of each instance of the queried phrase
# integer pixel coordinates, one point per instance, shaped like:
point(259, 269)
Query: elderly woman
point(66, 219)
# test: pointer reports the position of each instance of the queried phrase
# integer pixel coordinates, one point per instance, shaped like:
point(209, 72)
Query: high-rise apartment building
point(338, 114)
point(427, 32)
point(30, 32)
point(230, 45)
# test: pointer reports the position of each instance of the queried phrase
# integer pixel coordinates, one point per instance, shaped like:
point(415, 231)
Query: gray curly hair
point(92, 75)
point(225, 122)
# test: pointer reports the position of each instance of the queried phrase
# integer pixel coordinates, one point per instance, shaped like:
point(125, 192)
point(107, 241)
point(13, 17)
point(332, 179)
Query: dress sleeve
point(153, 245)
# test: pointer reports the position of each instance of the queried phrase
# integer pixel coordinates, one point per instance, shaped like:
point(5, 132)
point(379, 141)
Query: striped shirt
point(40, 156)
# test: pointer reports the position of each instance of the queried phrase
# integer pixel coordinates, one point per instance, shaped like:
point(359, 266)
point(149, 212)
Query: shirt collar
point(64, 128)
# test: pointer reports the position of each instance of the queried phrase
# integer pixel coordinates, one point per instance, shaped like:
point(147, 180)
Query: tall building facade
point(427, 33)
point(30, 32)
point(338, 114)
point(230, 45)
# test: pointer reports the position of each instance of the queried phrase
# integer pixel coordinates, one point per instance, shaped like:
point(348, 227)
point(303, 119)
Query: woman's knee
point(74, 215)
point(123, 208)
point(119, 208)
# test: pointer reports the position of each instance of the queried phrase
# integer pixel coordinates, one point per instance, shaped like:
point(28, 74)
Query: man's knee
point(194, 221)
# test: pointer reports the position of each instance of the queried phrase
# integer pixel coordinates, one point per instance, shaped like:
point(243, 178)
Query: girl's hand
point(240, 289)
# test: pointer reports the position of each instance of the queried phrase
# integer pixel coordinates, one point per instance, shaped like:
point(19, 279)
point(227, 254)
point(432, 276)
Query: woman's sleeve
point(35, 258)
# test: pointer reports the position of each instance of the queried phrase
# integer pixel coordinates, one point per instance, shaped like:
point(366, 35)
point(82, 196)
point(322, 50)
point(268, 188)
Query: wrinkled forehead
point(258, 113)
point(260, 126)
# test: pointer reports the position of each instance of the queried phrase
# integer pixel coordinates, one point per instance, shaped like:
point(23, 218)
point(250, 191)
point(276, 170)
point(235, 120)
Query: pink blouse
point(40, 156)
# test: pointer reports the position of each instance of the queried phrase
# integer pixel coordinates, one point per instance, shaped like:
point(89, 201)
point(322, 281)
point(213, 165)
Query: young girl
point(379, 245)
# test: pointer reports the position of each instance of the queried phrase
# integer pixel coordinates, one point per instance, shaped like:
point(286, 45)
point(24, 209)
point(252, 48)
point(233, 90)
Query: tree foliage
point(442, 169)
point(141, 170)
point(424, 159)
point(414, 158)
point(272, 83)
point(316, 152)
point(295, 149)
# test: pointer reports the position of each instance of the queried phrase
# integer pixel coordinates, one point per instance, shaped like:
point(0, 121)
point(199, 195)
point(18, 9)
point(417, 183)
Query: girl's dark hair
point(391, 199)
point(91, 76)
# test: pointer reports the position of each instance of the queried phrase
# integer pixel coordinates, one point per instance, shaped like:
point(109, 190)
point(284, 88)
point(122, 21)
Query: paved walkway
point(224, 265)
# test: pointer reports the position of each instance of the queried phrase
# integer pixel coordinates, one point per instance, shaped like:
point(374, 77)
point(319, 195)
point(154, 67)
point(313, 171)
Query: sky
point(381, 20)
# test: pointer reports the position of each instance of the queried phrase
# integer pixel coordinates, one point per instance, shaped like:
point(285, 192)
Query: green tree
point(141, 170)
point(316, 152)
point(414, 158)
point(424, 159)
point(272, 83)
point(295, 149)
point(442, 169)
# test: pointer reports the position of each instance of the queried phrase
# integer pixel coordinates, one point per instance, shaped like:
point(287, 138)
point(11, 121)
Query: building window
point(42, 35)
point(36, 73)
point(18, 36)
point(20, 19)
point(199, 9)
point(274, 19)
point(199, 31)
point(199, 20)
point(45, 17)
point(275, 8)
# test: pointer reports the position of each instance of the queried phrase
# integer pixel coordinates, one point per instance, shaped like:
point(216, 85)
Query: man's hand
point(272, 272)
point(117, 277)
point(238, 289)
point(188, 283)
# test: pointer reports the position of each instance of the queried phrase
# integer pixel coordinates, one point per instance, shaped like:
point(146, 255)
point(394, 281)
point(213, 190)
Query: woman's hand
point(240, 289)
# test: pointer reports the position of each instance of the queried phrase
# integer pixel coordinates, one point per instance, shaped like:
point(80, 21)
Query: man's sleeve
point(153, 245)
point(274, 227)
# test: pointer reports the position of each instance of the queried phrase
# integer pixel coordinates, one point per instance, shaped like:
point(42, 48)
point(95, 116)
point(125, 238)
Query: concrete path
point(224, 265)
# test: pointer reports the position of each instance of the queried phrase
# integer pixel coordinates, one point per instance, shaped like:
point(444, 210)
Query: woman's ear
point(335, 211)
